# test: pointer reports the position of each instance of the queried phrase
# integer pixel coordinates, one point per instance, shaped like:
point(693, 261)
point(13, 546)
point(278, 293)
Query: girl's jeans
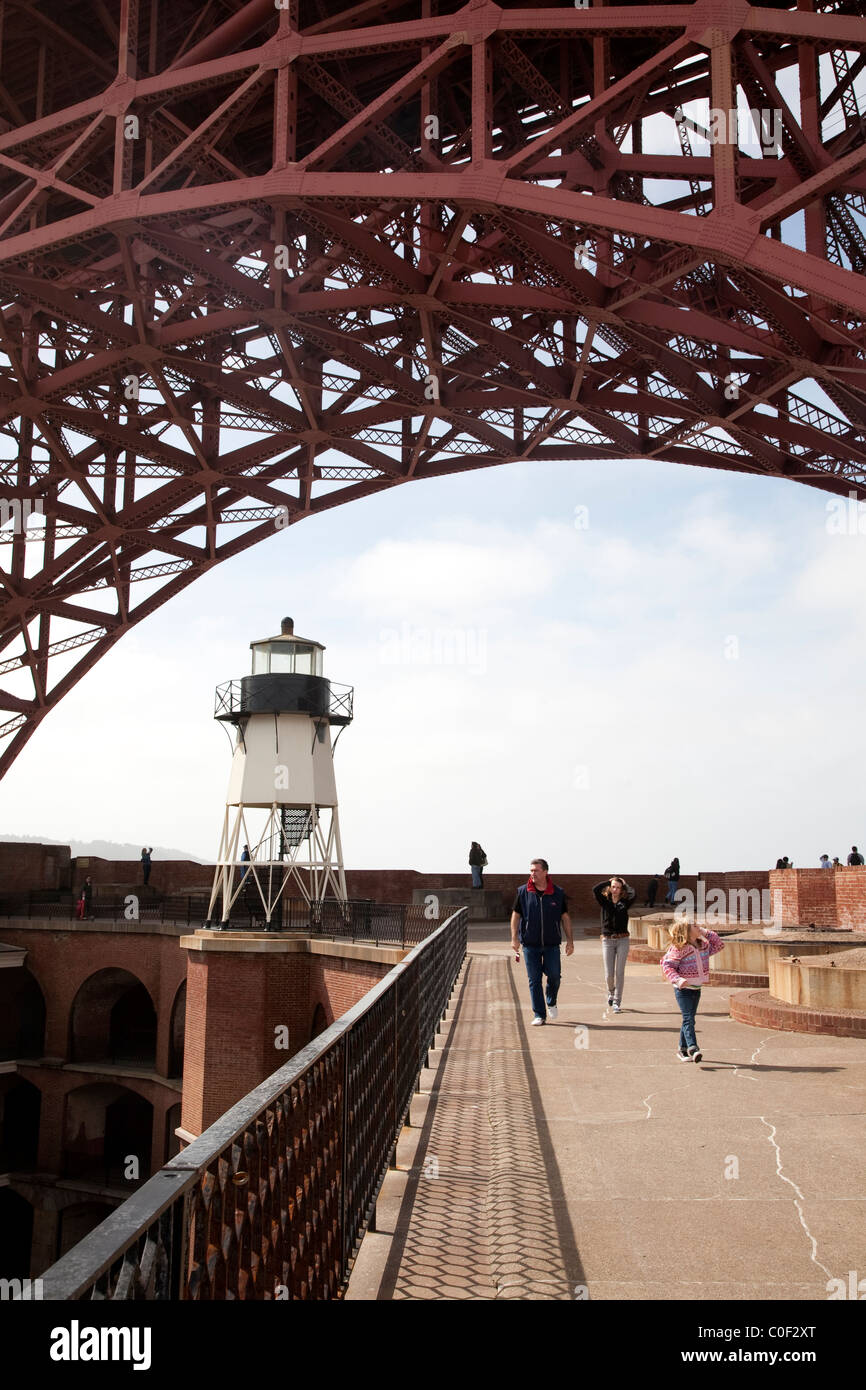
point(476, 875)
point(614, 954)
point(688, 1000)
point(672, 888)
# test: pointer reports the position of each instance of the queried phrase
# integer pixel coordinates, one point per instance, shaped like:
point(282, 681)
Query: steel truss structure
point(259, 258)
point(277, 867)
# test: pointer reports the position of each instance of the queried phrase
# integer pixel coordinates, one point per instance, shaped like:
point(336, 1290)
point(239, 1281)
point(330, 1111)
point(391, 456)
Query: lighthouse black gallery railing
point(272, 1201)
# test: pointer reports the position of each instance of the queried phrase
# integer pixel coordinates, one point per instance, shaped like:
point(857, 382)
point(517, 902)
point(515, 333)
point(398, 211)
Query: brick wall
point(27, 868)
point(236, 1001)
point(338, 984)
point(386, 885)
point(827, 897)
point(166, 875)
point(850, 886)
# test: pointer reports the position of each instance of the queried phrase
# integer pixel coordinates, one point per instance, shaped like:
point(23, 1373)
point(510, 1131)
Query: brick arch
point(112, 1017)
point(16, 1223)
point(104, 1122)
point(20, 1107)
point(22, 1015)
point(177, 1031)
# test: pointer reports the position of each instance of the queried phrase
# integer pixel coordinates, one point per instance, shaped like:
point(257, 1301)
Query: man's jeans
point(542, 960)
point(476, 875)
point(688, 1000)
point(614, 954)
point(672, 888)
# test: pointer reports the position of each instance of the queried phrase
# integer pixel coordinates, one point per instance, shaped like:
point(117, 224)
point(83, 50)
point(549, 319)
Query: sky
point(603, 663)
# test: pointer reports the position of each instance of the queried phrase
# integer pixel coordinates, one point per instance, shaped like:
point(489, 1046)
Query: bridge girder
point(261, 260)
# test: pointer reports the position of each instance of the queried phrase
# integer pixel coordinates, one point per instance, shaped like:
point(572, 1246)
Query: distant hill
point(104, 849)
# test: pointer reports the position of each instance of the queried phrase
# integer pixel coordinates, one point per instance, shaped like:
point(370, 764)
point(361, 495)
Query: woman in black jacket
point(614, 896)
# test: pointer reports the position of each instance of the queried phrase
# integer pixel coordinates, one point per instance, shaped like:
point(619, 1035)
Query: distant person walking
point(477, 863)
point(538, 919)
point(145, 864)
point(245, 859)
point(686, 964)
point(855, 857)
point(614, 896)
point(672, 874)
point(651, 889)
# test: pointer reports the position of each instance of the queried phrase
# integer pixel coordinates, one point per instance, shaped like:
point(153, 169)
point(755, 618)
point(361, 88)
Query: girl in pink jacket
point(686, 964)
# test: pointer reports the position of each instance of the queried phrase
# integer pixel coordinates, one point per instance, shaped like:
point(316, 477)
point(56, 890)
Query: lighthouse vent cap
point(287, 627)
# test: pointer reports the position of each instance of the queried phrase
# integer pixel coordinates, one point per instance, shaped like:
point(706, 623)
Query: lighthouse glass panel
point(287, 659)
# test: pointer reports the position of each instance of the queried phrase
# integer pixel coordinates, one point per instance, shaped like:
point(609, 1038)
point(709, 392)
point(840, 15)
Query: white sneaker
point(617, 1009)
point(552, 1011)
point(537, 1021)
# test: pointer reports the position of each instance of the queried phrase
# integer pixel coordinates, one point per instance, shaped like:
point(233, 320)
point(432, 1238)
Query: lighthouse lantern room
point(281, 830)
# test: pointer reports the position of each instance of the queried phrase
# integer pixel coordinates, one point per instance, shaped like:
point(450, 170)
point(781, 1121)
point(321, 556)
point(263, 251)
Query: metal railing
point(230, 701)
point(273, 1200)
point(384, 924)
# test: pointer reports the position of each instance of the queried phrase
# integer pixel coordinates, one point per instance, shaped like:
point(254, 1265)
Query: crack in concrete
point(798, 1199)
point(752, 1062)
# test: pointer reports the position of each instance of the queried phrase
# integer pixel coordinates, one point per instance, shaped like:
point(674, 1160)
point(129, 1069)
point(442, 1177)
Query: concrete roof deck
point(583, 1160)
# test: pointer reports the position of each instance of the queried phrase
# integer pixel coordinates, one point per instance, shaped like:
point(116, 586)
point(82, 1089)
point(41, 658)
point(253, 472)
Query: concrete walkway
point(582, 1160)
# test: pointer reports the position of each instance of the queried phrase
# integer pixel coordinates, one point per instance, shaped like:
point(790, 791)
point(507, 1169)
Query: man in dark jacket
point(538, 919)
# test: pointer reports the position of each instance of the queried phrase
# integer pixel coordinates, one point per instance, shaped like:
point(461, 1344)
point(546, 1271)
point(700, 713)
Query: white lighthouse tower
point(281, 832)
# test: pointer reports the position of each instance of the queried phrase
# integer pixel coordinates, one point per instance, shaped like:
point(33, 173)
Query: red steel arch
point(261, 258)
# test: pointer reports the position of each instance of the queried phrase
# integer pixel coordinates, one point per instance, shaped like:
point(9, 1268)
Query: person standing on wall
point(614, 896)
point(85, 901)
point(672, 874)
point(145, 864)
point(477, 863)
point(538, 919)
point(855, 857)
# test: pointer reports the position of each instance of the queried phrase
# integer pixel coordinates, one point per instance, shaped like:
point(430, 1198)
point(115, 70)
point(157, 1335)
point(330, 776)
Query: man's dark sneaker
point(683, 1056)
point(695, 1054)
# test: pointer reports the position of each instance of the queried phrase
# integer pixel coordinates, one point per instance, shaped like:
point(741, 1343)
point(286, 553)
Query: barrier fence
point(387, 924)
point(272, 1201)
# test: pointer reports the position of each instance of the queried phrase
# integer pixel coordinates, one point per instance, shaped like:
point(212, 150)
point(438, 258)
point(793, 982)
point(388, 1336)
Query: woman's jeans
point(476, 875)
point(672, 888)
point(614, 954)
point(688, 1000)
point(542, 960)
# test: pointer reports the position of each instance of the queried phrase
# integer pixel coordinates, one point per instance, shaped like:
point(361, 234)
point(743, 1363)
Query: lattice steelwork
point(257, 261)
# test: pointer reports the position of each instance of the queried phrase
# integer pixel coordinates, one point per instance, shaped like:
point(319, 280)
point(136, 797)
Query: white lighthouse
point(281, 832)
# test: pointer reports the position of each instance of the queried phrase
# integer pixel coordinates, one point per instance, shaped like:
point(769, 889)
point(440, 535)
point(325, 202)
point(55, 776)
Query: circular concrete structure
point(748, 954)
point(821, 982)
point(818, 994)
